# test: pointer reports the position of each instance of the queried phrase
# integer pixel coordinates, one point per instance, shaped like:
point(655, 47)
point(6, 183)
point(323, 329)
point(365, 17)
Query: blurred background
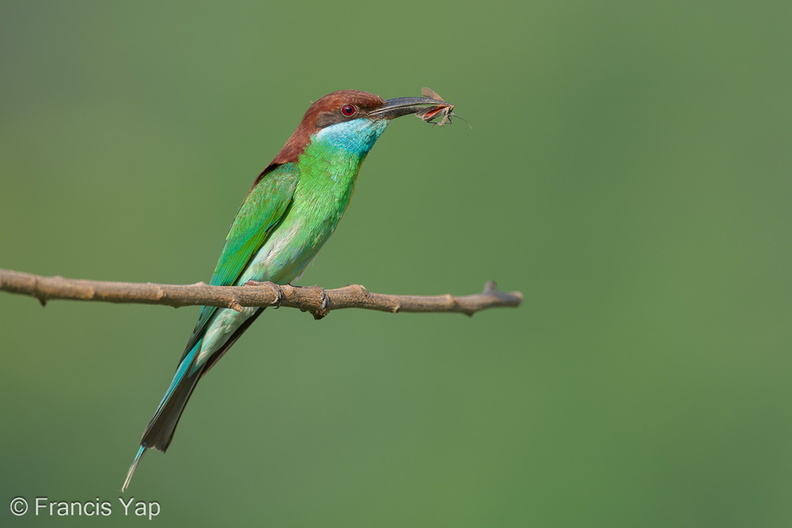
point(628, 169)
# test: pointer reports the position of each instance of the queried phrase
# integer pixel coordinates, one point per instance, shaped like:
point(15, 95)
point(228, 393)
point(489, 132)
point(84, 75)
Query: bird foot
point(277, 291)
point(322, 310)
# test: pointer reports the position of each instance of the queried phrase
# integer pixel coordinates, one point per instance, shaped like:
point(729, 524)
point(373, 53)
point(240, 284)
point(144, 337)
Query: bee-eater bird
point(289, 213)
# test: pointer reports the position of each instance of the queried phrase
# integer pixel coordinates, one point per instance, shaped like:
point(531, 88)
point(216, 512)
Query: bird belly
point(281, 259)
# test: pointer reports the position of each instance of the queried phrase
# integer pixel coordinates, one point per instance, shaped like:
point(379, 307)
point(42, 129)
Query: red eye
point(348, 110)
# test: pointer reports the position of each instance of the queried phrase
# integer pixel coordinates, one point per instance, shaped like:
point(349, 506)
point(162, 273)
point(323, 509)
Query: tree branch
point(318, 301)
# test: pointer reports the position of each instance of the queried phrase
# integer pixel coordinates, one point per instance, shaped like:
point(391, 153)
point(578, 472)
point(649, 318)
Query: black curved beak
point(402, 106)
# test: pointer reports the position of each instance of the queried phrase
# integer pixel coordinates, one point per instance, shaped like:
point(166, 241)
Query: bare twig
point(318, 301)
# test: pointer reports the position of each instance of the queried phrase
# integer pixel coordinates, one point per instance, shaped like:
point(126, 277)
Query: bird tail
point(160, 429)
point(133, 468)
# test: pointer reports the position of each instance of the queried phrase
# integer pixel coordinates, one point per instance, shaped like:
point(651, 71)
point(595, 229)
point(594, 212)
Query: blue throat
point(356, 137)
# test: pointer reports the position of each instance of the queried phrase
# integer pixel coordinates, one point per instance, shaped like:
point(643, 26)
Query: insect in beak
point(442, 111)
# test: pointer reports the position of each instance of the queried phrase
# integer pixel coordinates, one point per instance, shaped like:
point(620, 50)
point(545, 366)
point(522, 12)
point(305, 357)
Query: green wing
point(261, 211)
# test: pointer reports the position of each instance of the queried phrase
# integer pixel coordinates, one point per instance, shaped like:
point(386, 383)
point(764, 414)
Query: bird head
point(337, 108)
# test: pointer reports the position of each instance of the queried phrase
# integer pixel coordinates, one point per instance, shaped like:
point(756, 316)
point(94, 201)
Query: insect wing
point(428, 92)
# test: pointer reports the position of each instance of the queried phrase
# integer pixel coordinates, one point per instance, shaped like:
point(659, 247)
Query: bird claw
point(278, 294)
point(325, 301)
point(322, 311)
point(276, 290)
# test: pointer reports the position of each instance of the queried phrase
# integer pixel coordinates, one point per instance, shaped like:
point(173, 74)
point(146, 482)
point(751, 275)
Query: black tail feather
point(159, 431)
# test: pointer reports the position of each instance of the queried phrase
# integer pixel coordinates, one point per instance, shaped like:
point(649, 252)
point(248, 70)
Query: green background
point(628, 169)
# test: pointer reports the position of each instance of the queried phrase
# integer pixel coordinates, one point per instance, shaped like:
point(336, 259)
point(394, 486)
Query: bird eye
point(348, 110)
